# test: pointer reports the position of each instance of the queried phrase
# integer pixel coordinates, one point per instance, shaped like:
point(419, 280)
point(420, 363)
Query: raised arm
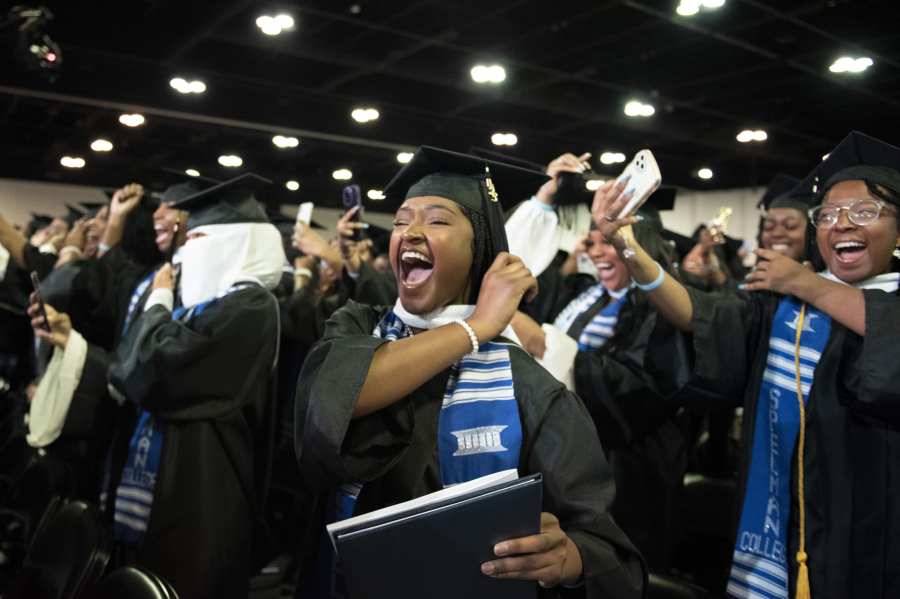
point(669, 297)
point(390, 377)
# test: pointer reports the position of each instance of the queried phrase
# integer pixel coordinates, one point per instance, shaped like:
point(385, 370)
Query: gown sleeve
point(621, 398)
point(878, 367)
point(714, 363)
point(331, 447)
point(562, 444)
point(194, 370)
point(371, 287)
point(533, 234)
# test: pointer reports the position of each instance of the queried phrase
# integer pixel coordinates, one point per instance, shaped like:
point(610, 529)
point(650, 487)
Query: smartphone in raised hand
point(36, 283)
point(352, 198)
point(643, 179)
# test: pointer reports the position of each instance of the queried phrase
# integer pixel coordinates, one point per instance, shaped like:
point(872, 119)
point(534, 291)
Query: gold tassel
point(803, 591)
point(802, 577)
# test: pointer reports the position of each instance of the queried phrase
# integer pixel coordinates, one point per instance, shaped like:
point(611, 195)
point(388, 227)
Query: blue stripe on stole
point(134, 495)
point(585, 300)
point(479, 431)
point(760, 567)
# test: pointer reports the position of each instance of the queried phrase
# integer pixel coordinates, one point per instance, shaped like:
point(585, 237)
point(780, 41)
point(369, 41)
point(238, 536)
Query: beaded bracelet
point(471, 332)
point(655, 283)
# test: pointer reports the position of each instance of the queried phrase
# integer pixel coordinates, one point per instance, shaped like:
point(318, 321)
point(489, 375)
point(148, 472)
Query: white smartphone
point(645, 178)
point(304, 213)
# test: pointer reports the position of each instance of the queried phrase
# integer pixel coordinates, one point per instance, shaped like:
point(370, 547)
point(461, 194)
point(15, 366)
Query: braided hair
point(481, 241)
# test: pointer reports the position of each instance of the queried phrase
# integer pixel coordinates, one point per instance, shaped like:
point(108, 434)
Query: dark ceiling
point(571, 66)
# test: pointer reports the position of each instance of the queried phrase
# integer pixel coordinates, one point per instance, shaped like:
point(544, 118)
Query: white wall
point(19, 198)
point(694, 207)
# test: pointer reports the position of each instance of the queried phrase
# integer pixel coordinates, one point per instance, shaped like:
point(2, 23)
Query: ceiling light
point(612, 158)
point(284, 21)
point(488, 73)
point(230, 161)
point(635, 108)
point(101, 145)
point(292, 185)
point(375, 194)
point(593, 184)
point(689, 8)
point(192, 172)
point(825, 157)
point(705, 173)
point(184, 86)
point(342, 174)
point(132, 120)
point(284, 142)
point(747, 135)
point(404, 157)
point(364, 115)
point(504, 139)
point(847, 64)
point(72, 162)
point(270, 25)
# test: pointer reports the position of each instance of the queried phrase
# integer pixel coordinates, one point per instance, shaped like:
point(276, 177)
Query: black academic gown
point(96, 295)
point(852, 426)
point(207, 380)
point(641, 435)
point(394, 451)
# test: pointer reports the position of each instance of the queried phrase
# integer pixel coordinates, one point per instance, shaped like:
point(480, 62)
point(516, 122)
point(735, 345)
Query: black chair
point(134, 583)
point(665, 586)
point(708, 520)
point(68, 553)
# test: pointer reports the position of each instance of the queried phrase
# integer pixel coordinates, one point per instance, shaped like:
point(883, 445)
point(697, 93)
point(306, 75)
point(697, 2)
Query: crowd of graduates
point(219, 381)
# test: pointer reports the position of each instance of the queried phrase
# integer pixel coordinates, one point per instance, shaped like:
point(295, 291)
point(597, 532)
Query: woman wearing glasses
point(815, 358)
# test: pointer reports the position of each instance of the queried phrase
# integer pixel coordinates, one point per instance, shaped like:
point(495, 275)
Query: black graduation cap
point(481, 185)
point(381, 239)
point(857, 157)
point(780, 194)
point(39, 221)
point(661, 200)
point(180, 185)
point(92, 208)
point(229, 202)
point(73, 213)
point(681, 243)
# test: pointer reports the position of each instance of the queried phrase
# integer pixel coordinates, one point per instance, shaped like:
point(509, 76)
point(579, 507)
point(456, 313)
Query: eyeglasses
point(860, 212)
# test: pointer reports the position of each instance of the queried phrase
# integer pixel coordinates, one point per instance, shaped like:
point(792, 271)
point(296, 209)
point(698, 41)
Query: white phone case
point(645, 179)
point(304, 213)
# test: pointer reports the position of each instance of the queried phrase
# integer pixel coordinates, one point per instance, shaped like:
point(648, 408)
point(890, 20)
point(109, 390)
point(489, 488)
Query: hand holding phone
point(352, 198)
point(643, 179)
point(36, 283)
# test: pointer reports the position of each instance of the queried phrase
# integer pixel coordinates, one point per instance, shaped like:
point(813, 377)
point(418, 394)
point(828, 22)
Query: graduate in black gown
point(814, 357)
point(193, 384)
point(184, 494)
point(388, 394)
point(600, 325)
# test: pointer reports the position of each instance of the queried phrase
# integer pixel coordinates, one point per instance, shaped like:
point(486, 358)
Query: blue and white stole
point(479, 430)
point(134, 495)
point(602, 326)
point(760, 567)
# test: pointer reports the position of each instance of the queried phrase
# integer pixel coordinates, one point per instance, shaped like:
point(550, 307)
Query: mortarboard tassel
point(803, 591)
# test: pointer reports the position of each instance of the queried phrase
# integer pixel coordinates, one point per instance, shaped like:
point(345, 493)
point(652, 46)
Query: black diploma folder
point(434, 546)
